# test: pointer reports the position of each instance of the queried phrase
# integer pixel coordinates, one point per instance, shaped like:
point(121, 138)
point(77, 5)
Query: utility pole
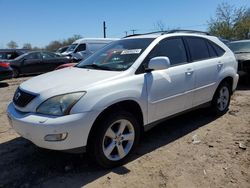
point(126, 33)
point(133, 30)
point(104, 29)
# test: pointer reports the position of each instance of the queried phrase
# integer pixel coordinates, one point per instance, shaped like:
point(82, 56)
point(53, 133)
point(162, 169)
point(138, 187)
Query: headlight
point(59, 105)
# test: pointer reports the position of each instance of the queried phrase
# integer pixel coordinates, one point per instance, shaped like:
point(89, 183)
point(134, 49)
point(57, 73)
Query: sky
point(41, 21)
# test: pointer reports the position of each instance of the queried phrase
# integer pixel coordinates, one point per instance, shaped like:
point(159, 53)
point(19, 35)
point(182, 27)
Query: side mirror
point(158, 63)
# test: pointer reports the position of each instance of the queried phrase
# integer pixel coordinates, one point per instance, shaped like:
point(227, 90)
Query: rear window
point(198, 48)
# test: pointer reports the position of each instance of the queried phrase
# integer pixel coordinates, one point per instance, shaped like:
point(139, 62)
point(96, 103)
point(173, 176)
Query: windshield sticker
point(133, 51)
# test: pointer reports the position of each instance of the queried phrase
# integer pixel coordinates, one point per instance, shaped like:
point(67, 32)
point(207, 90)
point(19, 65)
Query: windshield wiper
point(95, 66)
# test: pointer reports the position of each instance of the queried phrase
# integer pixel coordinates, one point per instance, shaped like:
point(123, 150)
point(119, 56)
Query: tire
point(221, 99)
point(15, 72)
point(114, 139)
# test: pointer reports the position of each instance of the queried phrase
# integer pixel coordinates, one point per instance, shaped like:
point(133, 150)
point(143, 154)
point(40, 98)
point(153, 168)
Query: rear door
point(169, 89)
point(205, 61)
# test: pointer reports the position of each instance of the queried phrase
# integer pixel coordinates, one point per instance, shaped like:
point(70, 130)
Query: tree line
point(229, 22)
point(52, 46)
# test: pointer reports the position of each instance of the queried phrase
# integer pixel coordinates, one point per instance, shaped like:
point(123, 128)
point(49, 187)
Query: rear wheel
point(115, 139)
point(15, 72)
point(221, 99)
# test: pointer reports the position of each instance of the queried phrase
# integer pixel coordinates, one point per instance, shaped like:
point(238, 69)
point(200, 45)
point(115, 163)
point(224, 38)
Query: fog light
point(56, 137)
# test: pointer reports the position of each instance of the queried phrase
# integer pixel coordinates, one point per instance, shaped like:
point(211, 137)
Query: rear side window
point(198, 48)
point(219, 50)
point(35, 55)
point(211, 50)
point(48, 55)
point(173, 48)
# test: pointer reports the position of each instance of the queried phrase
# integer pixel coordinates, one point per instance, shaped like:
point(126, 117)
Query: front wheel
point(221, 99)
point(115, 139)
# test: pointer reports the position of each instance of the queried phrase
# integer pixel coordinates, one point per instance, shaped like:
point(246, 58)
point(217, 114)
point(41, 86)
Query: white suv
point(105, 102)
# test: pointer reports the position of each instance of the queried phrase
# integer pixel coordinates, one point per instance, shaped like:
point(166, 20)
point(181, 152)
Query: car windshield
point(71, 47)
point(240, 47)
point(117, 56)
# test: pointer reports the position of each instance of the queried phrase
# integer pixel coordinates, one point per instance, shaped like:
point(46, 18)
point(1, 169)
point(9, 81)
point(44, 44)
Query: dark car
point(7, 54)
point(62, 49)
point(36, 62)
point(241, 50)
point(5, 71)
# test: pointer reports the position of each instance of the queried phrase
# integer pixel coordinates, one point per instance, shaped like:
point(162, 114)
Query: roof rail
point(154, 32)
point(187, 31)
point(170, 31)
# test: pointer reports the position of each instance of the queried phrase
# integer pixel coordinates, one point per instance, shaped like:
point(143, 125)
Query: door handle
point(220, 65)
point(189, 71)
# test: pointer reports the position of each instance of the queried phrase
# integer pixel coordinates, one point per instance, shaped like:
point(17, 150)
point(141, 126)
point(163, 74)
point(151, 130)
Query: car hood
point(242, 56)
point(67, 80)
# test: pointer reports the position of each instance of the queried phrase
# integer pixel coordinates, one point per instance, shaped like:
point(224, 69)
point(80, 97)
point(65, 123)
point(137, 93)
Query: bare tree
point(160, 26)
point(230, 22)
point(12, 44)
point(27, 46)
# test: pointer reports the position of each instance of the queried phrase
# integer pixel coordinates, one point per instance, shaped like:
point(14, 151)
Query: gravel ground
point(192, 150)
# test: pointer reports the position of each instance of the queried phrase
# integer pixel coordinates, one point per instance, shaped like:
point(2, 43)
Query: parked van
point(82, 48)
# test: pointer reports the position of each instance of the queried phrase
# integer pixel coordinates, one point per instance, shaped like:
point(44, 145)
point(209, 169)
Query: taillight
point(4, 64)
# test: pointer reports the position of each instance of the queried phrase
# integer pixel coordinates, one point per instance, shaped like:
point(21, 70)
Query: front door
point(170, 90)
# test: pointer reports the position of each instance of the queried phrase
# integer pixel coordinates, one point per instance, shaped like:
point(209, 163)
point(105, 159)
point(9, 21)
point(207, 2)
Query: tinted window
point(172, 48)
point(198, 48)
point(33, 56)
point(218, 49)
point(48, 55)
point(8, 55)
point(81, 47)
point(211, 50)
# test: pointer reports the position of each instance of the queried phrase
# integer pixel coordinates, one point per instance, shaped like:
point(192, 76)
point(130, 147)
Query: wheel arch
point(126, 105)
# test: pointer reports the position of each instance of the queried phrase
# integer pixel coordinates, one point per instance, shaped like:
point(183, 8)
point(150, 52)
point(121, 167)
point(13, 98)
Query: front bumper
point(35, 127)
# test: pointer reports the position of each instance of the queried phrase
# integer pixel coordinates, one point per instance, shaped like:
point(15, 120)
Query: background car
point(61, 50)
point(11, 53)
point(5, 71)
point(36, 62)
point(241, 50)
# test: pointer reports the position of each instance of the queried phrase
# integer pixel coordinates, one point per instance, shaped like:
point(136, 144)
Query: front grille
point(22, 98)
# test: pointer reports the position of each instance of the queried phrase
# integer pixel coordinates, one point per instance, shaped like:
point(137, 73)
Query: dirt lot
point(193, 150)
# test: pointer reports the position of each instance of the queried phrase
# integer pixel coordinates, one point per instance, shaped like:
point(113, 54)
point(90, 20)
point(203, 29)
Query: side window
point(198, 48)
point(35, 55)
point(211, 50)
point(46, 55)
point(172, 48)
point(81, 47)
point(218, 49)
